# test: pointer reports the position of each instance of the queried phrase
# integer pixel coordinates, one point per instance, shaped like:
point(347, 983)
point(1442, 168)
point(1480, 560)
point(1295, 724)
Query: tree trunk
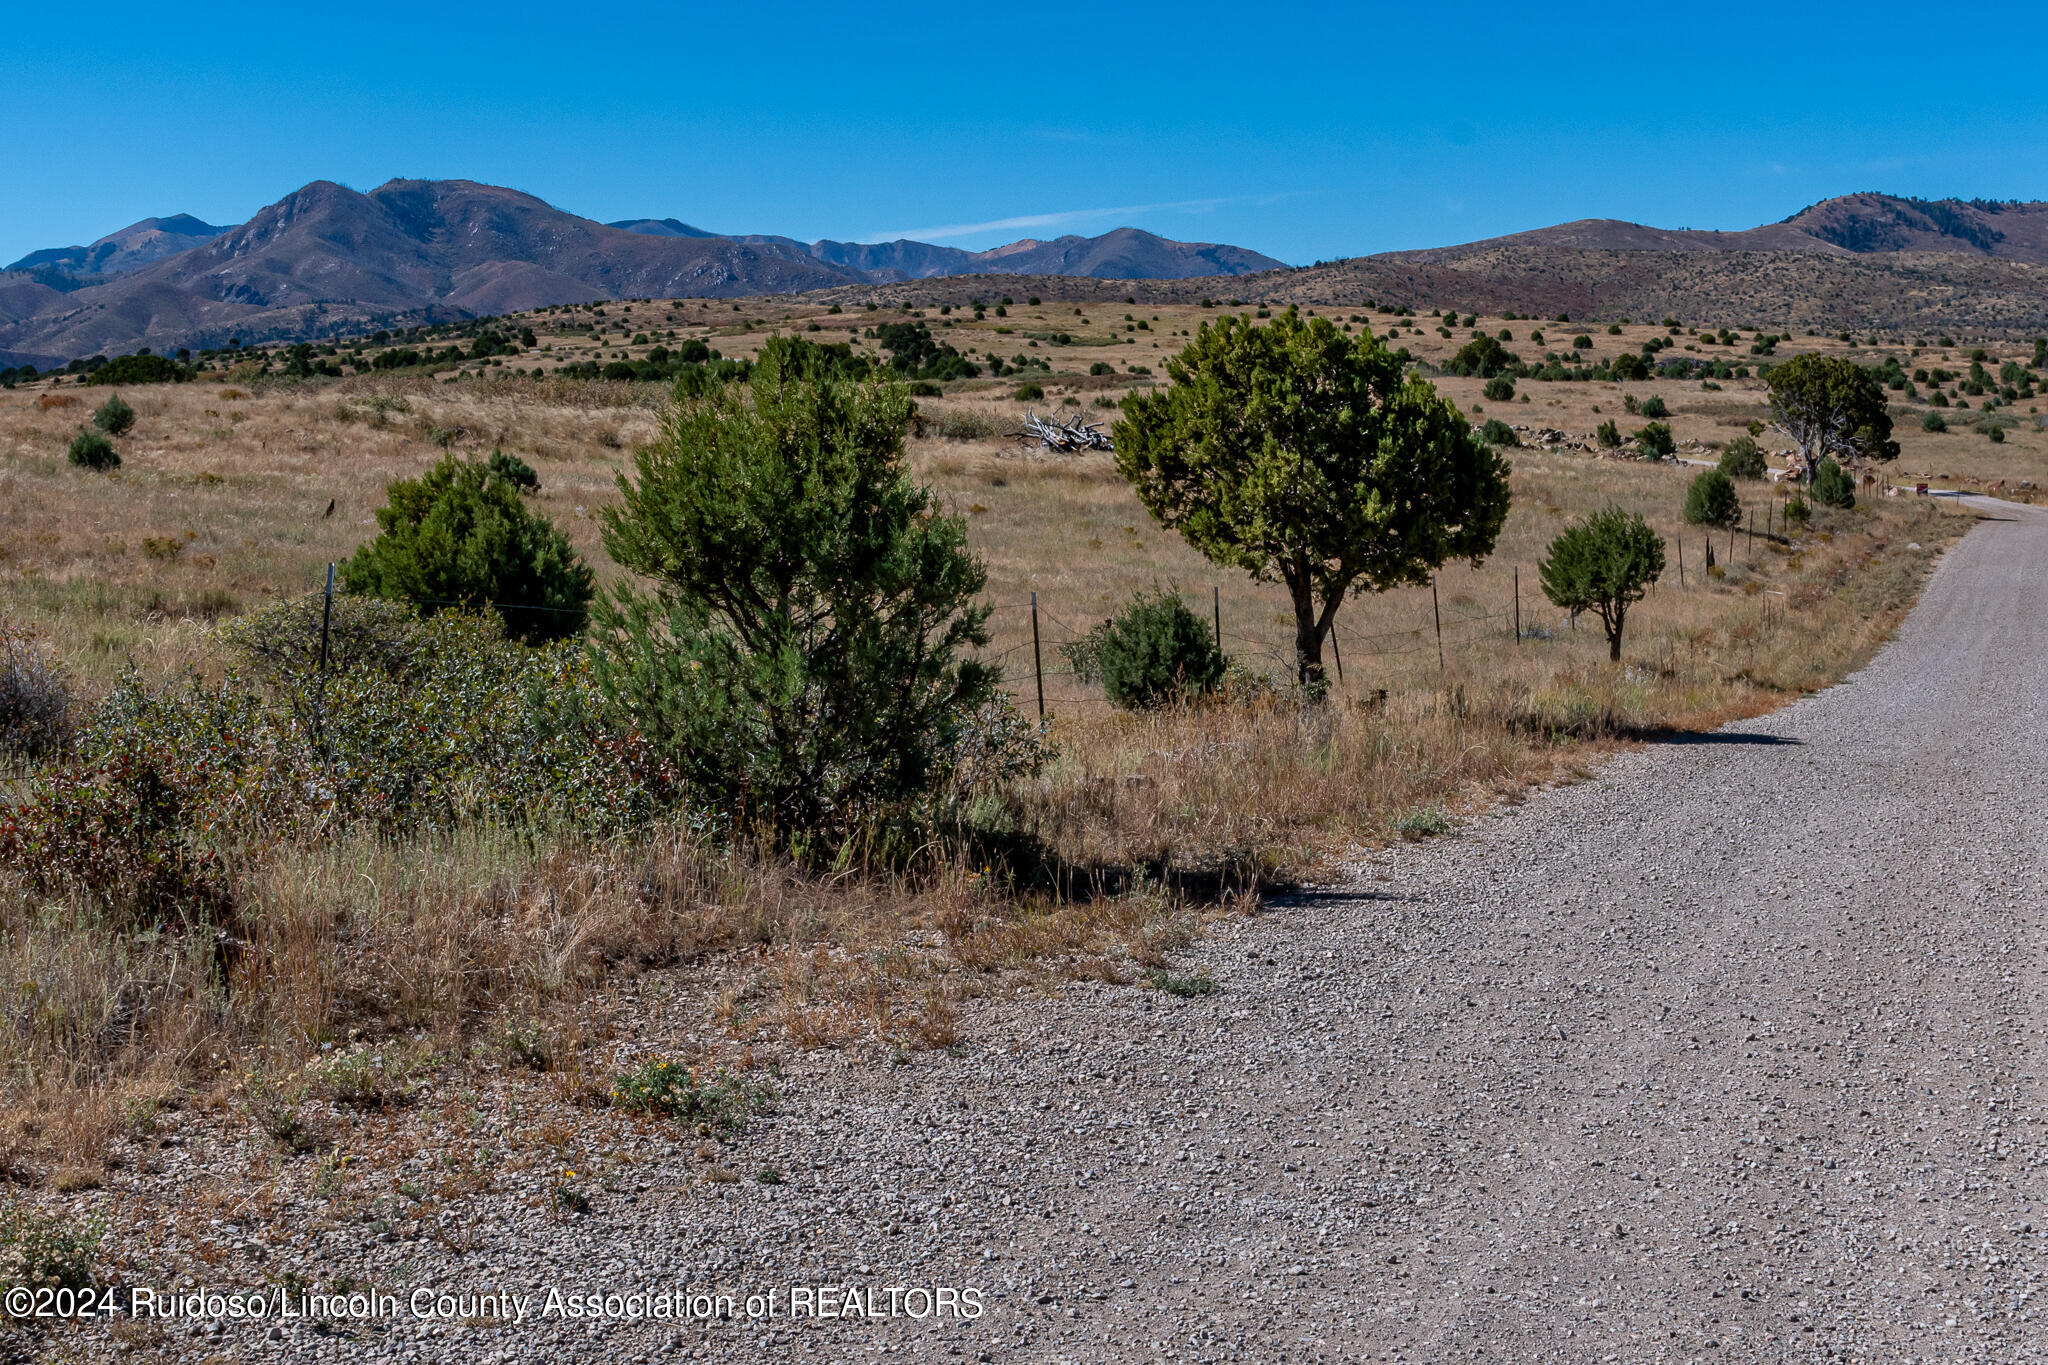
point(1308, 637)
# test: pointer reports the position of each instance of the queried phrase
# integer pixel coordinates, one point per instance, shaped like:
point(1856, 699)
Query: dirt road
point(1731, 1053)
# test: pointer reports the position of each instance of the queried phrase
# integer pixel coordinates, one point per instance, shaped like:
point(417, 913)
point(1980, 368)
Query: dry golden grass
point(450, 941)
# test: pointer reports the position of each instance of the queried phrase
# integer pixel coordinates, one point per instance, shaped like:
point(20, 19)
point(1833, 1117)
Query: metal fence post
point(1437, 612)
point(1518, 604)
point(1037, 664)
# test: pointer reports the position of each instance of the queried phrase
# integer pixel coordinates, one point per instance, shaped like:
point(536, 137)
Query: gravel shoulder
point(1728, 1053)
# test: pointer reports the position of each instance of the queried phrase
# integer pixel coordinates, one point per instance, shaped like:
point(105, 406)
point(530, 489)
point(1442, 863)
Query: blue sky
point(1307, 132)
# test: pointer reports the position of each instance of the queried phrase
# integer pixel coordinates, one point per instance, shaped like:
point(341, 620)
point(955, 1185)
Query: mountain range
point(326, 258)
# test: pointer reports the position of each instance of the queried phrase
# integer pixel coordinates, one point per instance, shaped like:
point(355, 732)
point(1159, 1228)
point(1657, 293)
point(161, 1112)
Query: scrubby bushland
point(796, 643)
point(1499, 434)
point(1710, 500)
point(1604, 562)
point(1299, 453)
point(166, 790)
point(1742, 460)
point(1153, 652)
point(460, 536)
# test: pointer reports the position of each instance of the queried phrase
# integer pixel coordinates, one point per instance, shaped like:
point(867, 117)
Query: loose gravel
point(1729, 1053)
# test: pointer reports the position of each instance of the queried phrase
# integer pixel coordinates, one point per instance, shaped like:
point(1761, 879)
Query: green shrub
point(1423, 822)
point(1934, 421)
point(1743, 460)
point(1609, 435)
point(1630, 368)
point(1102, 367)
point(1155, 651)
point(1653, 406)
point(1500, 389)
point(799, 655)
point(1498, 433)
point(1796, 510)
point(460, 536)
point(39, 1251)
point(1993, 432)
point(114, 416)
point(1655, 441)
point(712, 1101)
point(90, 450)
point(1028, 393)
point(1186, 987)
point(139, 369)
point(1833, 486)
point(514, 471)
point(1710, 500)
point(1482, 357)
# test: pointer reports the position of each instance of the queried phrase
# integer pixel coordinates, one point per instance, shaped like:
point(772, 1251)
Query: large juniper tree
point(1305, 455)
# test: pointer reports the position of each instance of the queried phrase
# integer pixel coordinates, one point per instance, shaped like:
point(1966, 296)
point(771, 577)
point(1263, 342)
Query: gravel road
point(1727, 1054)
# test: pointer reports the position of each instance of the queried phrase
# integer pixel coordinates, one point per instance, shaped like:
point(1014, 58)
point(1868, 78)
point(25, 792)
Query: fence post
point(1752, 533)
point(1437, 613)
point(1336, 651)
point(1037, 665)
point(1679, 541)
point(326, 621)
point(1518, 604)
point(1216, 614)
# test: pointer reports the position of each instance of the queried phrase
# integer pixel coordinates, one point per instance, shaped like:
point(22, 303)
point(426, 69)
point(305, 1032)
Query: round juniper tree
point(1302, 454)
point(1833, 486)
point(115, 416)
point(1710, 500)
point(1604, 562)
point(1742, 460)
point(460, 536)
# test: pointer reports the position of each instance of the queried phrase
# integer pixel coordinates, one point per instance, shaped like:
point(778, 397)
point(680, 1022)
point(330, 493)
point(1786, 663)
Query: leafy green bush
point(1833, 486)
point(1028, 393)
point(1499, 389)
point(1934, 421)
point(39, 1251)
point(1483, 357)
point(139, 369)
point(460, 536)
point(1653, 406)
point(1498, 433)
point(114, 416)
point(1102, 367)
point(1423, 822)
point(712, 1101)
point(90, 450)
point(514, 471)
point(1743, 460)
point(1630, 368)
point(1796, 510)
point(1710, 500)
point(1155, 651)
point(1609, 435)
point(1655, 441)
point(799, 653)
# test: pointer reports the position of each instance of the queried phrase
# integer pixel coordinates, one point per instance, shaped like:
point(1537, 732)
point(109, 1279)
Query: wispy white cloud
point(1061, 218)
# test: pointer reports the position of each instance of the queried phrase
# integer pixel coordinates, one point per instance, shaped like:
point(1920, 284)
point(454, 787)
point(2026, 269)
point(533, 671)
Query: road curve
point(1730, 1053)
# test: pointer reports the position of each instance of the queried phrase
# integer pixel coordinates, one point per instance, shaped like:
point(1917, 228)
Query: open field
point(578, 959)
